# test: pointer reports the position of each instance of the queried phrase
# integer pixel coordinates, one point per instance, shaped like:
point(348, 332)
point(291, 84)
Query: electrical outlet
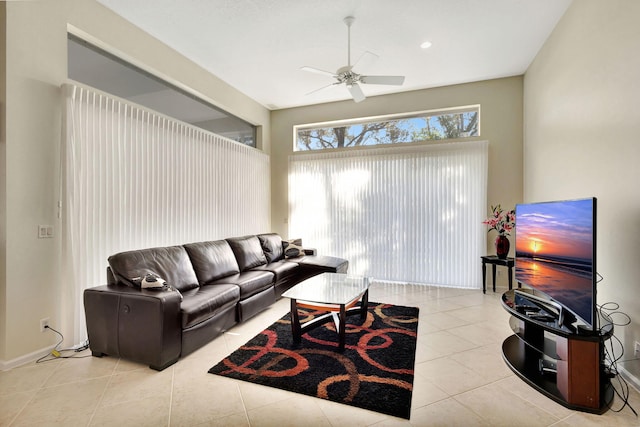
point(636, 348)
point(45, 231)
point(44, 324)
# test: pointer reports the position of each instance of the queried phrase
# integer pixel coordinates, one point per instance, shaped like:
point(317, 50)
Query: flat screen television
point(556, 254)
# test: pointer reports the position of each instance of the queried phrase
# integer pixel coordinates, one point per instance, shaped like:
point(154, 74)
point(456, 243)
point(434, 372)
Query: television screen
point(556, 253)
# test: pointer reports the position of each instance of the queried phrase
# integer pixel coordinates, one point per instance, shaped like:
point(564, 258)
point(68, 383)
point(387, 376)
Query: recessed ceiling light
point(426, 45)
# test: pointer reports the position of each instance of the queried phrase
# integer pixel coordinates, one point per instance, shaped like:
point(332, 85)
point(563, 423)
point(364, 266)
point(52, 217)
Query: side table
point(494, 260)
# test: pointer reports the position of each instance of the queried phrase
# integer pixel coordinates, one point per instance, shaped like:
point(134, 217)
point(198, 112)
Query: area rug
point(375, 370)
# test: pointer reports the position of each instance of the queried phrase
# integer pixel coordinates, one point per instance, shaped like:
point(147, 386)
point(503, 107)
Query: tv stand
point(543, 303)
point(554, 357)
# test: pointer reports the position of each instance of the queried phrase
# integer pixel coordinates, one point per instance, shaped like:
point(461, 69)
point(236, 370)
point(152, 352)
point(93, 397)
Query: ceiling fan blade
point(366, 60)
point(356, 92)
point(317, 71)
point(382, 80)
point(321, 88)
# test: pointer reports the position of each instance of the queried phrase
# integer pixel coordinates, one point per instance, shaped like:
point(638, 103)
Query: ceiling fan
point(347, 76)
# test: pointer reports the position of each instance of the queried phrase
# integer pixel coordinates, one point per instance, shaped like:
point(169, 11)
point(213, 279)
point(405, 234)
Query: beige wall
point(501, 125)
point(3, 194)
point(582, 127)
point(36, 66)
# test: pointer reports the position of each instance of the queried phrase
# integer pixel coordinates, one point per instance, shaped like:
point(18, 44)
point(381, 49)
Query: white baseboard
point(6, 365)
point(631, 379)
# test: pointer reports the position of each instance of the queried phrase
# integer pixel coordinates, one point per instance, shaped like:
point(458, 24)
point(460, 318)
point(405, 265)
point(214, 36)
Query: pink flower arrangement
point(501, 221)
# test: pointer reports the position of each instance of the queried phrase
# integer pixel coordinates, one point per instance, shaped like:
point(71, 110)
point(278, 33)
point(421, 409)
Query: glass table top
point(329, 288)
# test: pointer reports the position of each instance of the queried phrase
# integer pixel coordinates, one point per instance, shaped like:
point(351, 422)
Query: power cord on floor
point(608, 311)
point(57, 353)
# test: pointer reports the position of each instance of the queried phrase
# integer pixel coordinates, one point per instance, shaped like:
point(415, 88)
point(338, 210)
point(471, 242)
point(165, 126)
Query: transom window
point(93, 66)
point(424, 126)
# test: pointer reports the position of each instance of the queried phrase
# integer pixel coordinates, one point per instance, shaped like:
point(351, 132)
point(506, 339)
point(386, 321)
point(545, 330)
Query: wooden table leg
point(343, 321)
point(484, 277)
point(295, 322)
point(364, 305)
point(493, 273)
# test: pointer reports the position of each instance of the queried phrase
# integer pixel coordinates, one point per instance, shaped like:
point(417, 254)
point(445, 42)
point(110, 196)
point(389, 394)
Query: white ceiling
point(258, 46)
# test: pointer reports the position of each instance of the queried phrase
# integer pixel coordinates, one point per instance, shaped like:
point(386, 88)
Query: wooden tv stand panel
point(557, 361)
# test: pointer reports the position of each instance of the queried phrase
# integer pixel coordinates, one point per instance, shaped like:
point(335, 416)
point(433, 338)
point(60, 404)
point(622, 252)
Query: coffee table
point(338, 294)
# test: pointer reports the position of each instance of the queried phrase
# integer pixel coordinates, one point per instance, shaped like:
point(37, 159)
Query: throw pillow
point(293, 248)
point(149, 281)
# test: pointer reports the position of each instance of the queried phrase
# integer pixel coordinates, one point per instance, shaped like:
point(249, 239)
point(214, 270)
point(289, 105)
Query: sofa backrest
point(271, 246)
point(247, 251)
point(212, 260)
point(170, 263)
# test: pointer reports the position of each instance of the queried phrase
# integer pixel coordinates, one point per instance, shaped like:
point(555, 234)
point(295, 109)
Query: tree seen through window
point(461, 124)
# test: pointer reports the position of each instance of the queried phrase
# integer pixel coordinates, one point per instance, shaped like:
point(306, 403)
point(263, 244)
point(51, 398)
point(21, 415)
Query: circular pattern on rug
point(375, 370)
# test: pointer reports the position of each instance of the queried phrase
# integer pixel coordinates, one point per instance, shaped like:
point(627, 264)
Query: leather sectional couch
point(214, 285)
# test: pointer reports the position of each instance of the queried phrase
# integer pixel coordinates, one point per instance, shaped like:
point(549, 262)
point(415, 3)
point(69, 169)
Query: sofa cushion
point(171, 263)
point(205, 302)
point(248, 252)
point(271, 246)
point(281, 269)
point(250, 282)
point(212, 260)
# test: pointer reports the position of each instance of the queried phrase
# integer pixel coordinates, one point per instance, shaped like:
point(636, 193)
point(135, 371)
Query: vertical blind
point(409, 214)
point(134, 178)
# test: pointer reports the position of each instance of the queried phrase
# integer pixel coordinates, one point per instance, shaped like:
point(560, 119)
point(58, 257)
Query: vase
point(502, 247)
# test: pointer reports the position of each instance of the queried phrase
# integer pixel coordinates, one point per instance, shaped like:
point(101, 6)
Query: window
point(134, 178)
point(459, 123)
point(92, 66)
point(405, 213)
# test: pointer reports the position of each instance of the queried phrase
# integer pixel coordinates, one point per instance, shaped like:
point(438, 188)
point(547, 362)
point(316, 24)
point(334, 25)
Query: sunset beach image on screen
point(555, 252)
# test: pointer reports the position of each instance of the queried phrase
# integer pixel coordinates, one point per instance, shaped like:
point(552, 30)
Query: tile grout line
point(13, 420)
point(37, 390)
point(558, 419)
point(244, 405)
point(173, 378)
point(104, 392)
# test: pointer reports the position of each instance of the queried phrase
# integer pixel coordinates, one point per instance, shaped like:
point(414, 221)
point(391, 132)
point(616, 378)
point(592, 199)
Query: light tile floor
point(460, 380)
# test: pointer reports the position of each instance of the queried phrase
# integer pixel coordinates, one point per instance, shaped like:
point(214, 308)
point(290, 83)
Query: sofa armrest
point(137, 324)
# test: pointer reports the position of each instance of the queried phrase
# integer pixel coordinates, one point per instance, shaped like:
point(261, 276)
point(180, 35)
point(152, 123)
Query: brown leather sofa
point(216, 284)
